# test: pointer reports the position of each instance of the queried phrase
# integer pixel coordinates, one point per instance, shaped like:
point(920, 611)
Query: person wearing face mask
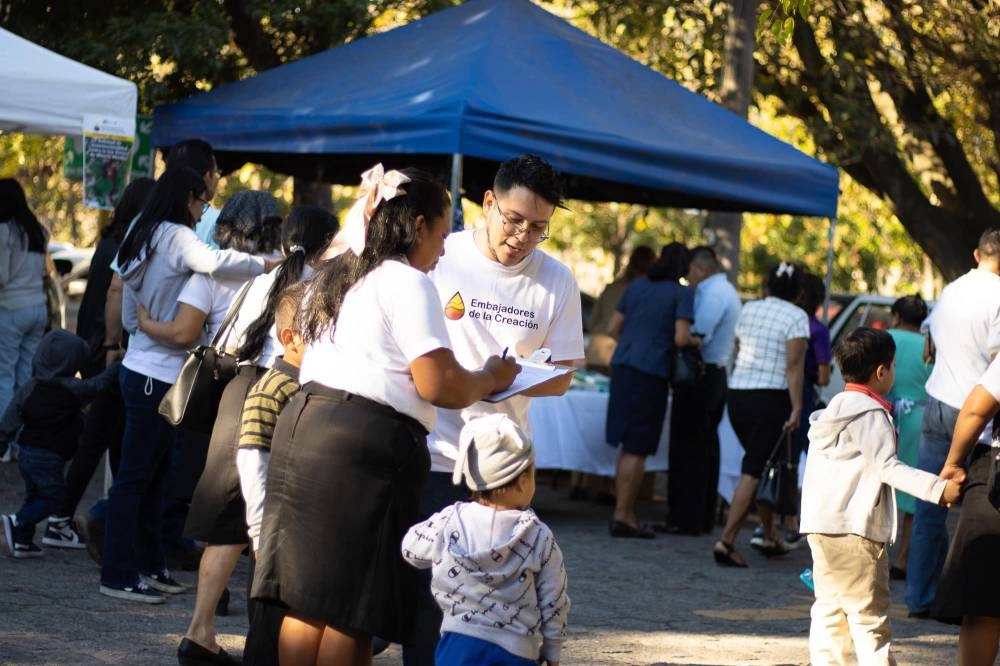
point(498, 291)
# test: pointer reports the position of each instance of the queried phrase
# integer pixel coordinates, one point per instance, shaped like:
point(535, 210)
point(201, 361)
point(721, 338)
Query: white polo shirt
point(490, 307)
point(965, 328)
point(387, 320)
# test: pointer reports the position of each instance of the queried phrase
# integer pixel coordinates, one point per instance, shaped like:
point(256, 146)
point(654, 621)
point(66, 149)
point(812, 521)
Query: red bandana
point(861, 388)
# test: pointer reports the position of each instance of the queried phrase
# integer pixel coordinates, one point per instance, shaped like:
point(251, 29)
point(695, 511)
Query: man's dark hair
point(989, 243)
point(862, 351)
point(705, 257)
point(192, 153)
point(532, 172)
point(911, 310)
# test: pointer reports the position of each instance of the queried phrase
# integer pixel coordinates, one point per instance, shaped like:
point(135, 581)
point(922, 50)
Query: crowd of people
point(380, 498)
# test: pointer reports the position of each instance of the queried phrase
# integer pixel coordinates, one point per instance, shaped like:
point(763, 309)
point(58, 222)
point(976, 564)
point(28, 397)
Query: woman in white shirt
point(349, 452)
point(764, 399)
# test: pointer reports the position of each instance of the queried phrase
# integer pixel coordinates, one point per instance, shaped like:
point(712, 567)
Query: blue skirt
point(637, 406)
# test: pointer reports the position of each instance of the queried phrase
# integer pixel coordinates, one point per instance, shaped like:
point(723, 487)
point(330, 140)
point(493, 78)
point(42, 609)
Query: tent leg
point(457, 220)
point(830, 234)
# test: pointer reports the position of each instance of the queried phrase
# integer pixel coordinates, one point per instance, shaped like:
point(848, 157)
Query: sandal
point(619, 529)
point(769, 548)
point(724, 555)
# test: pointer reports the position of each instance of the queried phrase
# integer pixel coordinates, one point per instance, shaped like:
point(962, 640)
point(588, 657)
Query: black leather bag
point(778, 489)
point(192, 402)
point(689, 368)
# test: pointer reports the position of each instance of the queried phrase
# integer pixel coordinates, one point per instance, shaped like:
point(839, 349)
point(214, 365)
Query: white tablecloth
point(568, 432)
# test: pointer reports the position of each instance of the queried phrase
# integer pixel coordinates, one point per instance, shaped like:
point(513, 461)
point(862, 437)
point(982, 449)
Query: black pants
point(261, 647)
point(102, 431)
point(438, 493)
point(694, 452)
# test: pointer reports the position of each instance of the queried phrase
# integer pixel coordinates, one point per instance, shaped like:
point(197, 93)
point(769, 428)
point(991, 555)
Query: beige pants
point(851, 575)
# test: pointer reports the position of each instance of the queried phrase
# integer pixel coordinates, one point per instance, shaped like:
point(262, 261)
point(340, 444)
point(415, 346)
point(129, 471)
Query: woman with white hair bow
point(349, 453)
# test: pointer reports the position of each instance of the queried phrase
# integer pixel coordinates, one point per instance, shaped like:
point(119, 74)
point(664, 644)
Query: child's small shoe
point(60, 532)
point(807, 578)
point(20, 549)
point(27, 550)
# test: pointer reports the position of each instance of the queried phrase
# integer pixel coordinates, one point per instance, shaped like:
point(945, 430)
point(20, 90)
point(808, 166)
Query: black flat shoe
point(724, 555)
point(663, 528)
point(623, 530)
point(190, 653)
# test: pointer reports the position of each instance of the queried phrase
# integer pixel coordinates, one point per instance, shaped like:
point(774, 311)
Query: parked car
point(72, 264)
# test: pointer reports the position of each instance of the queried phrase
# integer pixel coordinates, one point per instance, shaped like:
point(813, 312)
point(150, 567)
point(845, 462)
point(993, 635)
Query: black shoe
point(222, 608)
point(895, 573)
point(379, 645)
point(663, 528)
point(623, 530)
point(724, 553)
point(190, 653)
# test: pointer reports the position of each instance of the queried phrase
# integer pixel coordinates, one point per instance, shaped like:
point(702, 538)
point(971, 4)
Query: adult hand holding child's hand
point(952, 491)
point(954, 472)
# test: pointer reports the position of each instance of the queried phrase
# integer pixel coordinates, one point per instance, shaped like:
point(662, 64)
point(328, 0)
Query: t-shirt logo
point(455, 308)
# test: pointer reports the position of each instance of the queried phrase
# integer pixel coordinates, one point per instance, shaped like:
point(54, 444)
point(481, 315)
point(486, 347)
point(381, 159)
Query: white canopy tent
point(46, 93)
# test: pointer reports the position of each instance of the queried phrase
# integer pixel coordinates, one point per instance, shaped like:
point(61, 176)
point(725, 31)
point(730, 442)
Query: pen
point(504, 354)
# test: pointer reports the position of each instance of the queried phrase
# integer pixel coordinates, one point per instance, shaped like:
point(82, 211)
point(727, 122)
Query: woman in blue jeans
point(22, 297)
point(156, 258)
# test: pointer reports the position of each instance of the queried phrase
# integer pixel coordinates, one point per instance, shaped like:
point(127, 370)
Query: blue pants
point(132, 538)
point(460, 650)
point(44, 489)
point(929, 540)
point(21, 330)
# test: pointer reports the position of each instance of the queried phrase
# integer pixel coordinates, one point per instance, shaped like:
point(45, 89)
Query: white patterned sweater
point(497, 576)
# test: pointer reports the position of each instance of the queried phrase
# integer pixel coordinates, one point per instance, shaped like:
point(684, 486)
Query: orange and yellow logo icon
point(455, 308)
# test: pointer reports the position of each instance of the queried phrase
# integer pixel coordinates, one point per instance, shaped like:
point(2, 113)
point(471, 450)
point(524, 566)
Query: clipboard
point(531, 375)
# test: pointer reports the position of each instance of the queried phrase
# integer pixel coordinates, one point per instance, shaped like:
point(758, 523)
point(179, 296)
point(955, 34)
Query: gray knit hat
point(246, 216)
point(492, 452)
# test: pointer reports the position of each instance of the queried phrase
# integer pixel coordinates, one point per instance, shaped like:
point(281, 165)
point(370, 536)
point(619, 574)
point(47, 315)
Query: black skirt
point(970, 584)
point(344, 485)
point(637, 406)
point(218, 513)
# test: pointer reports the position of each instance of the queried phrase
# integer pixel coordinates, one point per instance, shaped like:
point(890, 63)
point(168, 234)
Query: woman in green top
point(909, 396)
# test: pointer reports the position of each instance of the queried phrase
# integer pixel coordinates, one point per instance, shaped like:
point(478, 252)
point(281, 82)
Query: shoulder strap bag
point(778, 488)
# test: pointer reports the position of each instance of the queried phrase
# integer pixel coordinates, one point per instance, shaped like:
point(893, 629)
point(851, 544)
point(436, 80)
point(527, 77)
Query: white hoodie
point(849, 470)
point(497, 576)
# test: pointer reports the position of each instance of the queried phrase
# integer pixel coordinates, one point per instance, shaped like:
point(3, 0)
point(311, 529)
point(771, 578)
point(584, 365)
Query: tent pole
point(457, 221)
point(830, 233)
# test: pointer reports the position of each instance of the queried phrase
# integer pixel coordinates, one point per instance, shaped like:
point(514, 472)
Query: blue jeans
point(44, 488)
point(20, 332)
point(929, 540)
point(132, 537)
point(461, 650)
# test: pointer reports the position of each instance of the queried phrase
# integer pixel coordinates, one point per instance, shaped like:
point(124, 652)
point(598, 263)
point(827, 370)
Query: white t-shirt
point(213, 296)
point(252, 308)
point(387, 320)
point(763, 329)
point(965, 328)
point(490, 307)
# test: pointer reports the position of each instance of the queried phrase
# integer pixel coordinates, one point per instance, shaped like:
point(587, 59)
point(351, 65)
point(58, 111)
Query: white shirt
point(253, 307)
point(763, 329)
point(965, 328)
point(387, 320)
point(490, 307)
point(213, 296)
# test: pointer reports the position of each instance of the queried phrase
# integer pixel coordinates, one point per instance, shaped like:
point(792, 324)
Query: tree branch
point(249, 37)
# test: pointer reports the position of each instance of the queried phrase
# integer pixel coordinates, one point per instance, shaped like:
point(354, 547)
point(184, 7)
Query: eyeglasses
point(534, 234)
point(204, 205)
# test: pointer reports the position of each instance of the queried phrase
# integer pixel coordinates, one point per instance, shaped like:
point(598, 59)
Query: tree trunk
point(312, 192)
point(734, 91)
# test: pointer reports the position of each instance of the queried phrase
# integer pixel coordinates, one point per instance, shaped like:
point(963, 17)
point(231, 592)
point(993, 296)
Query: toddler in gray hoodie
point(497, 573)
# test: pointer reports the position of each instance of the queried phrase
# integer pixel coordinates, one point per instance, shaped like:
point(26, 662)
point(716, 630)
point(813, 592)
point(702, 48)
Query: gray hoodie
point(497, 576)
point(156, 281)
point(851, 470)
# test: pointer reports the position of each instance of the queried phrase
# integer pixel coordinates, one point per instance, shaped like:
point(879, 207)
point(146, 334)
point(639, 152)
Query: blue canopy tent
point(490, 79)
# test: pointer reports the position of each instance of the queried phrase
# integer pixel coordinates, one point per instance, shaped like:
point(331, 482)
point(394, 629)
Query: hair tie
point(377, 185)
point(785, 269)
point(296, 248)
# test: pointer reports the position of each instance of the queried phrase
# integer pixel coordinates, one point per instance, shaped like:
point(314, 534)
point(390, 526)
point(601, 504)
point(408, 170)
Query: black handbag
point(192, 402)
point(778, 489)
point(689, 368)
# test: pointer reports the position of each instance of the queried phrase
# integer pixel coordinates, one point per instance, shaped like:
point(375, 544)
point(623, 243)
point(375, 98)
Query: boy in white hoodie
point(497, 573)
point(849, 509)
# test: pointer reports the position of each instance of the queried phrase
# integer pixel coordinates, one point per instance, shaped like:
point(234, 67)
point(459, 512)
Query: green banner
point(143, 152)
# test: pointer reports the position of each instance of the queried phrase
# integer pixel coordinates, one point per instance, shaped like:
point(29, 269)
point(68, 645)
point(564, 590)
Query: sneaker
point(769, 549)
point(26, 550)
point(138, 592)
point(162, 581)
point(793, 539)
point(757, 540)
point(61, 533)
point(10, 455)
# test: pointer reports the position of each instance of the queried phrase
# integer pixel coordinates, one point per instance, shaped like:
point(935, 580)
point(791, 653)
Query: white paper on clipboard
point(531, 375)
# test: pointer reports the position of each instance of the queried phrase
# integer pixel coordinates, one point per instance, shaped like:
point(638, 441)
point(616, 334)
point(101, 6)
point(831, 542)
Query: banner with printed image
point(107, 159)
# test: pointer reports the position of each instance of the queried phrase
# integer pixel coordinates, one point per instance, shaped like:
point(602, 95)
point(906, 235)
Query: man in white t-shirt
point(499, 293)
point(964, 328)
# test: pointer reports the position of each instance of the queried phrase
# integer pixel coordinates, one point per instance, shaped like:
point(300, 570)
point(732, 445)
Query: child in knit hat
point(497, 572)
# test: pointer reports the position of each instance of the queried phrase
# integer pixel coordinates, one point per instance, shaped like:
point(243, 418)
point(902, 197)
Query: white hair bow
point(377, 185)
point(785, 269)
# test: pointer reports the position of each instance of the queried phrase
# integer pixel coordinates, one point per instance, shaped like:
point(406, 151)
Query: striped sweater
point(263, 404)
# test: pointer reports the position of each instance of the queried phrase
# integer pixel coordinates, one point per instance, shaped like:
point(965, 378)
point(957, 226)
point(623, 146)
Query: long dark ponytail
point(391, 233)
point(306, 233)
point(14, 206)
